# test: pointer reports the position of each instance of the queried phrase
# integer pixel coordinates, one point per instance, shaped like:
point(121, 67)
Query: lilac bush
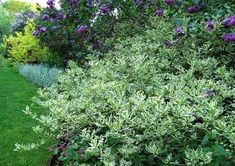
point(21, 19)
point(83, 26)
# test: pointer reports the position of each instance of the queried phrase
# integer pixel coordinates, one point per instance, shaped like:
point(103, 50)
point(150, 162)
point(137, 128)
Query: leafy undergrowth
point(144, 104)
point(15, 94)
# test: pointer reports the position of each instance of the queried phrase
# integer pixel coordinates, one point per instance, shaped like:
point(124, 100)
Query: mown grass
point(15, 126)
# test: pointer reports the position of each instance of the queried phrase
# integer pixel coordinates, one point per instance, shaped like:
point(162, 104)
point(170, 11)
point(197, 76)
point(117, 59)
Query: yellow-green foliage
point(24, 47)
point(15, 6)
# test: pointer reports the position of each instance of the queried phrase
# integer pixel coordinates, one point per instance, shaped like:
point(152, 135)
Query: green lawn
point(15, 126)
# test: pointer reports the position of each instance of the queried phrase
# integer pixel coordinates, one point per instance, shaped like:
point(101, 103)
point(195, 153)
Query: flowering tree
point(82, 26)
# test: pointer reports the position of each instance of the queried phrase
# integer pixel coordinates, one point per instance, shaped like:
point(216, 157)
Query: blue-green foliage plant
point(39, 74)
point(144, 103)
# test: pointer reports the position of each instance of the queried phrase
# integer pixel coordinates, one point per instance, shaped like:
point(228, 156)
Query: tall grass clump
point(39, 74)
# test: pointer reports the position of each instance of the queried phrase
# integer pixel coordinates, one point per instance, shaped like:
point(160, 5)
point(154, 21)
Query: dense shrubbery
point(21, 20)
point(71, 26)
point(5, 21)
point(5, 62)
point(23, 47)
point(39, 74)
point(208, 42)
point(144, 104)
point(18, 6)
point(81, 27)
point(14, 15)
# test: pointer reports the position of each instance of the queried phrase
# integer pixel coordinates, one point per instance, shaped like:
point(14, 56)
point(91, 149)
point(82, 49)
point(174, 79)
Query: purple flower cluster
point(82, 29)
point(65, 17)
point(39, 31)
point(45, 17)
point(36, 33)
point(229, 21)
point(21, 20)
point(229, 38)
point(51, 3)
point(193, 9)
point(138, 2)
point(73, 2)
point(104, 9)
point(59, 16)
point(54, 20)
point(55, 28)
point(159, 12)
point(90, 3)
point(43, 29)
point(179, 31)
point(210, 25)
point(169, 2)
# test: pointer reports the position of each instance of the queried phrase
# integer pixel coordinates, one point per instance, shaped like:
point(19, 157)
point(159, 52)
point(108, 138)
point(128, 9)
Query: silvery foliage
point(21, 20)
point(143, 103)
point(39, 74)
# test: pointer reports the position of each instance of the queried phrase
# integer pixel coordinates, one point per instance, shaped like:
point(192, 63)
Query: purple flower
point(169, 2)
point(82, 29)
point(138, 2)
point(36, 33)
point(229, 21)
point(193, 9)
point(179, 30)
point(210, 25)
point(159, 12)
point(229, 38)
point(59, 15)
point(65, 17)
point(168, 43)
point(54, 20)
point(45, 17)
point(179, 33)
point(42, 29)
point(73, 2)
point(104, 9)
point(209, 93)
point(51, 3)
point(90, 3)
point(55, 28)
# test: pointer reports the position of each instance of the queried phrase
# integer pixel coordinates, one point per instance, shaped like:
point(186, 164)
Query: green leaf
point(205, 140)
point(219, 150)
point(217, 161)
